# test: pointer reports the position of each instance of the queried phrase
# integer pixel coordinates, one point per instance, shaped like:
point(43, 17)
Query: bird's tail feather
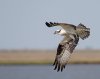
point(83, 32)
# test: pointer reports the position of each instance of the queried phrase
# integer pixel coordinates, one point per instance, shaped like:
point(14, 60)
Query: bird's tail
point(82, 31)
point(51, 24)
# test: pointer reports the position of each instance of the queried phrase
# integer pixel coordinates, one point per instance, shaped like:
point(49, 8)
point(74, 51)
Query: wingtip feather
point(48, 24)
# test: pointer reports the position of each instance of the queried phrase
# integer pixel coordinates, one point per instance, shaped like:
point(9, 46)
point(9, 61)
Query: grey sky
point(22, 22)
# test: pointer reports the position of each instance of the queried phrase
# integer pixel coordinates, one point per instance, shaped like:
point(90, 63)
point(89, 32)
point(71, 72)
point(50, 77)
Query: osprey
point(65, 48)
point(79, 30)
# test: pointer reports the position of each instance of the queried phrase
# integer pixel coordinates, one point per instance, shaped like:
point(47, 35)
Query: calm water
point(46, 72)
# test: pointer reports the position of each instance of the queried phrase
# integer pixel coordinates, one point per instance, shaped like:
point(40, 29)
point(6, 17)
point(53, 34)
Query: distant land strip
point(31, 57)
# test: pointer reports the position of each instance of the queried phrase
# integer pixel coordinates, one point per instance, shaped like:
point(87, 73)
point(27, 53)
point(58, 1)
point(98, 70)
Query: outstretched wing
point(68, 27)
point(64, 52)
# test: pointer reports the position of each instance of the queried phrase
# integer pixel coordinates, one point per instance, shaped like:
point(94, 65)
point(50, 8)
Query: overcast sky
point(22, 22)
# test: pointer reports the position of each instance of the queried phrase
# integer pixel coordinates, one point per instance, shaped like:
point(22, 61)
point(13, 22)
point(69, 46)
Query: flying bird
point(65, 48)
point(79, 30)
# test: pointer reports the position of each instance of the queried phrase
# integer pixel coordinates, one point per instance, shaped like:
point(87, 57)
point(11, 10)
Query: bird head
point(57, 31)
point(60, 32)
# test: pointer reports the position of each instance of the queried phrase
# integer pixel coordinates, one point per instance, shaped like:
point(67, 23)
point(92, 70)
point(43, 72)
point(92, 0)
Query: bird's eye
point(59, 30)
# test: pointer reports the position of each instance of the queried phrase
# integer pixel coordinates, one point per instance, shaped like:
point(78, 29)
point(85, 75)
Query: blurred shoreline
point(25, 57)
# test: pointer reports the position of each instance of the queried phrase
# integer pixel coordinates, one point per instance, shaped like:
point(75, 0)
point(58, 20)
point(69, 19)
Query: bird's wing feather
point(65, 26)
point(64, 52)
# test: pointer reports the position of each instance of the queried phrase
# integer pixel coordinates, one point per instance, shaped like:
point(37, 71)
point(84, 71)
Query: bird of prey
point(79, 30)
point(65, 48)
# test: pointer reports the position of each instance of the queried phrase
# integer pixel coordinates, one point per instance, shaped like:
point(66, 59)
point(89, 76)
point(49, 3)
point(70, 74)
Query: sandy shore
point(46, 57)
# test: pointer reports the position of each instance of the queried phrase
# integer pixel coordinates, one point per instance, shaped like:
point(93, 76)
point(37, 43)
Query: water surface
point(82, 71)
